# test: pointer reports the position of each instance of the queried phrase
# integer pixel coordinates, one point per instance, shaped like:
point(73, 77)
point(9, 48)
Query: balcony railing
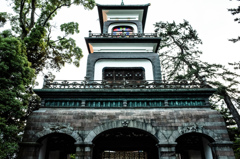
point(121, 84)
point(122, 35)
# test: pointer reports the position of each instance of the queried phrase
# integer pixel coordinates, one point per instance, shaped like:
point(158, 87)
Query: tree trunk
point(232, 109)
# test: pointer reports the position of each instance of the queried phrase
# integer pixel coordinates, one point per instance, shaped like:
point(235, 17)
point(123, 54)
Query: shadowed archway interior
point(194, 145)
point(56, 146)
point(125, 143)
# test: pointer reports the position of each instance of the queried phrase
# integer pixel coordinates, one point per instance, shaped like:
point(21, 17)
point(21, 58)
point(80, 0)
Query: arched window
point(122, 30)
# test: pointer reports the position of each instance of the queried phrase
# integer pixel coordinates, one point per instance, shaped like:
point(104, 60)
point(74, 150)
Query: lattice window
point(124, 155)
point(117, 74)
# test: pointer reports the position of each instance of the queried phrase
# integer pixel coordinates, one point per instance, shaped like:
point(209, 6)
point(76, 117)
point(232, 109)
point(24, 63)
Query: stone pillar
point(79, 151)
point(88, 151)
point(83, 151)
point(222, 149)
point(29, 150)
point(167, 151)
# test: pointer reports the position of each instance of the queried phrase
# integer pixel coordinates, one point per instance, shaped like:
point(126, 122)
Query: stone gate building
point(123, 109)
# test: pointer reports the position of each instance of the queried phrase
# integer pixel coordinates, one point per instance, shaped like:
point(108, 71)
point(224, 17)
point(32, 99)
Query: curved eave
point(122, 7)
point(140, 93)
point(123, 40)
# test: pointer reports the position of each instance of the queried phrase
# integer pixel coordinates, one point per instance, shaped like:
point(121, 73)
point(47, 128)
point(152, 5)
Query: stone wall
point(165, 124)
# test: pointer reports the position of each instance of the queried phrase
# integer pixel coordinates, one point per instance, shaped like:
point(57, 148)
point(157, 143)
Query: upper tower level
point(122, 18)
point(122, 30)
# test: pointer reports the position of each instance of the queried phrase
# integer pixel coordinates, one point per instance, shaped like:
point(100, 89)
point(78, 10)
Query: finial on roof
point(122, 3)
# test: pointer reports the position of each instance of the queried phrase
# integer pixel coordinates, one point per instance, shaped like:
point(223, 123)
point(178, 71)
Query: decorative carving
point(145, 103)
point(125, 123)
point(166, 103)
point(107, 104)
point(104, 103)
point(190, 128)
point(124, 103)
point(186, 103)
point(67, 103)
point(58, 128)
point(55, 128)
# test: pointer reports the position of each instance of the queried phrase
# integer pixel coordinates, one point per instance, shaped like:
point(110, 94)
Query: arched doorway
point(56, 146)
point(125, 143)
point(194, 146)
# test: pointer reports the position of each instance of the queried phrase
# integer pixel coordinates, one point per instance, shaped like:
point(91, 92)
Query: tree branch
point(32, 14)
point(22, 19)
point(49, 16)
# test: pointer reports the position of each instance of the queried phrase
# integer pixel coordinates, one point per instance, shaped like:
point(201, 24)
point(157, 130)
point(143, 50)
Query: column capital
point(29, 144)
point(221, 144)
point(84, 144)
point(173, 144)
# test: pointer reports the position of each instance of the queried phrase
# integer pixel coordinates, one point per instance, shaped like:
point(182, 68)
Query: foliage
point(72, 156)
point(15, 77)
point(3, 18)
point(236, 146)
point(32, 47)
point(180, 59)
point(234, 12)
point(33, 24)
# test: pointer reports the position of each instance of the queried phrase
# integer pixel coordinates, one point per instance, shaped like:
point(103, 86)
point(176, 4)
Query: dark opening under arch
point(125, 143)
point(57, 146)
point(194, 145)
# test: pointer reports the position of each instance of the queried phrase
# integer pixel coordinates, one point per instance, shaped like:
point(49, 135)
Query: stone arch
point(118, 124)
point(58, 128)
point(195, 128)
point(55, 145)
point(126, 141)
point(192, 144)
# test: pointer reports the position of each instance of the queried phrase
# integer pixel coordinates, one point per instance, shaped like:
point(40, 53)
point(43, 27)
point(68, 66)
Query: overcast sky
point(214, 24)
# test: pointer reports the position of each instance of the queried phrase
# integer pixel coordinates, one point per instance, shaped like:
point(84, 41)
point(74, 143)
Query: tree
point(234, 12)
point(180, 59)
point(32, 23)
point(3, 18)
point(31, 48)
point(15, 76)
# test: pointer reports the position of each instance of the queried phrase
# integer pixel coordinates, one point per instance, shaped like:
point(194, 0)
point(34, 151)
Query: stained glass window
point(123, 30)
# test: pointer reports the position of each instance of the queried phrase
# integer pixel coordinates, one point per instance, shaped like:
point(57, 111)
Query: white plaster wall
point(135, 30)
point(146, 64)
point(123, 47)
point(136, 14)
point(122, 17)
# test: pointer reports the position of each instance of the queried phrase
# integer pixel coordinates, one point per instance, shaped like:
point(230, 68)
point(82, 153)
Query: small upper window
point(122, 30)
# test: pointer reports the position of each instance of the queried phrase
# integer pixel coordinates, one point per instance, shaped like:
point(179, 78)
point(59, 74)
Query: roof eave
point(142, 6)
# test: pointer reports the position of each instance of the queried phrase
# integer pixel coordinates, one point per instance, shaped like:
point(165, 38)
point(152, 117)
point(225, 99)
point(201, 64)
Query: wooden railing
point(123, 35)
point(121, 84)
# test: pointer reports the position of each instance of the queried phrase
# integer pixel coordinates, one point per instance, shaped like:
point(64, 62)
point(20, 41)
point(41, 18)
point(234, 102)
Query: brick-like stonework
point(165, 124)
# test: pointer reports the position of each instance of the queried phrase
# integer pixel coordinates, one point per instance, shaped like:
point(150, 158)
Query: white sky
point(214, 24)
